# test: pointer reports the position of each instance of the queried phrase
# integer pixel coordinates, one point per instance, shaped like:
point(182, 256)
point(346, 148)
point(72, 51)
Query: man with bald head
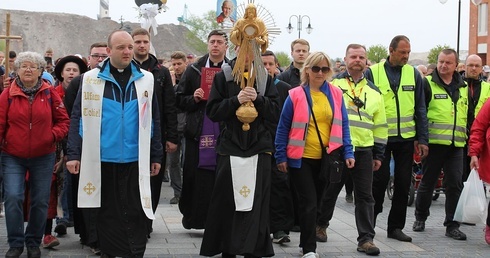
point(116, 114)
point(478, 93)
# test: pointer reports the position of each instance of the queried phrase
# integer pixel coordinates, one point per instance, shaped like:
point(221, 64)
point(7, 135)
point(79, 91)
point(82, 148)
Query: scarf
point(30, 92)
point(209, 136)
point(207, 143)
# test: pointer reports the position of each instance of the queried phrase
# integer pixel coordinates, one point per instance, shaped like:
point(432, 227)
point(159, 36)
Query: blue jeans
point(65, 197)
point(14, 172)
point(174, 167)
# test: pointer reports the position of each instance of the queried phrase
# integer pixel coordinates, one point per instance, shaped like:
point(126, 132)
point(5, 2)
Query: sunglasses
point(324, 69)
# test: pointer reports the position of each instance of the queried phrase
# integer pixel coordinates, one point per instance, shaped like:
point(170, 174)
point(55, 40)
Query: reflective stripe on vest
point(301, 118)
point(361, 120)
point(403, 103)
point(447, 122)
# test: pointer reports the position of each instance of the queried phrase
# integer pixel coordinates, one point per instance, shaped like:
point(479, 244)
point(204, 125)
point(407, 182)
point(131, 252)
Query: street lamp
point(299, 18)
point(475, 2)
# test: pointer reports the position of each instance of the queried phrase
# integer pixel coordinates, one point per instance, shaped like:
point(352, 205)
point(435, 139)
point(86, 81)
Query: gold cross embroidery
point(207, 141)
point(89, 188)
point(245, 191)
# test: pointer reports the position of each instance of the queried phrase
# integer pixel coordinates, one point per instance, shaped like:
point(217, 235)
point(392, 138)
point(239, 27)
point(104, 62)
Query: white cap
point(486, 68)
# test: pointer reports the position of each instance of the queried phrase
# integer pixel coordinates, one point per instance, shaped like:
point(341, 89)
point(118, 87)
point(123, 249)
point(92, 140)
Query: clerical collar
point(210, 63)
point(115, 70)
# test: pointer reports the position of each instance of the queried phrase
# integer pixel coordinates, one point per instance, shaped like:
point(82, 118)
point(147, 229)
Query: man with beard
point(369, 134)
point(164, 92)
point(116, 114)
point(402, 88)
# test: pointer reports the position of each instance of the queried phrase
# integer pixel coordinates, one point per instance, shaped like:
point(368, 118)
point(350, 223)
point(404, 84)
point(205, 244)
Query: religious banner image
point(226, 13)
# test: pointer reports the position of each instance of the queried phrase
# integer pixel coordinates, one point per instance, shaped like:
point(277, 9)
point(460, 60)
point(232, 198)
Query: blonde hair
point(314, 59)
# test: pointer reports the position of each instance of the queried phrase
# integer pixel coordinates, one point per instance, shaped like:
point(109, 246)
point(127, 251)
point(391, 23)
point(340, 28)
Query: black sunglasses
point(324, 69)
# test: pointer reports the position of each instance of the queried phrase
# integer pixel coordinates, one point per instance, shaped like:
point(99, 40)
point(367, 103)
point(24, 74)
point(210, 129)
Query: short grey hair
point(33, 57)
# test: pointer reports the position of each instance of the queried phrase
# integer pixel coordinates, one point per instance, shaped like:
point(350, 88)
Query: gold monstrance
point(250, 35)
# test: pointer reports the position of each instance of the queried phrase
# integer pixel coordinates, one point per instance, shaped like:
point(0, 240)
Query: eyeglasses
point(324, 69)
point(96, 56)
point(32, 68)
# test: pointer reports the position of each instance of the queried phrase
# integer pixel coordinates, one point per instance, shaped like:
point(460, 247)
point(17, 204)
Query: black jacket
point(291, 76)
point(165, 93)
point(221, 107)
point(190, 82)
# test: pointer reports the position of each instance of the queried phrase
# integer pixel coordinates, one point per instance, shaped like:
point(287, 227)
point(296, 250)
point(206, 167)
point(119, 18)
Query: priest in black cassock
point(238, 217)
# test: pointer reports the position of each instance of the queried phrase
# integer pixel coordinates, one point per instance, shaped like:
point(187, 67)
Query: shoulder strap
point(314, 119)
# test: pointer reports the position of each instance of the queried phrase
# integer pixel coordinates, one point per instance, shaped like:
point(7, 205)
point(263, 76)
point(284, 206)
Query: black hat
point(82, 66)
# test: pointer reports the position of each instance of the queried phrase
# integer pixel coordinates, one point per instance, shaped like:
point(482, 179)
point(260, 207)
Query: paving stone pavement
point(170, 239)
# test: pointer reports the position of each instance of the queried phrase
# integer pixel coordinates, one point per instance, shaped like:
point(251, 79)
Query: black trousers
point(310, 191)
point(362, 178)
point(450, 159)
point(402, 153)
point(281, 204)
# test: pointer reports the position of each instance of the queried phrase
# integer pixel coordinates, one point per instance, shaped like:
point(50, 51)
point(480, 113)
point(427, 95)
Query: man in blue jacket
point(116, 115)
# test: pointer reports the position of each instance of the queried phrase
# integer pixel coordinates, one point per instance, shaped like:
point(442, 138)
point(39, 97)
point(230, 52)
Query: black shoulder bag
point(331, 164)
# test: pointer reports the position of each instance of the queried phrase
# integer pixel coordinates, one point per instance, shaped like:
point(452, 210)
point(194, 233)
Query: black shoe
point(33, 252)
point(175, 200)
point(456, 234)
point(14, 252)
point(280, 237)
point(296, 229)
point(418, 226)
point(399, 235)
point(60, 228)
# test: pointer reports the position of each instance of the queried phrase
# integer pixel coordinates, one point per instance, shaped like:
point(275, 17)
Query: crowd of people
point(253, 154)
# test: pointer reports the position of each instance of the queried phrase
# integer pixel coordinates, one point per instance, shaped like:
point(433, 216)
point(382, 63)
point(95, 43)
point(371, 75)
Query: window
point(483, 19)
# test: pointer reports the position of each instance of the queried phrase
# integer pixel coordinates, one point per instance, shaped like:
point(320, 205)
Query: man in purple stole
point(200, 135)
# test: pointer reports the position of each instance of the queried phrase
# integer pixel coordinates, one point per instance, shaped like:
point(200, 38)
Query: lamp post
point(475, 2)
point(299, 18)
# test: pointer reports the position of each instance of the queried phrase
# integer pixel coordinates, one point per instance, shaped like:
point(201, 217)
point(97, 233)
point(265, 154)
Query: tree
point(283, 58)
point(376, 53)
point(199, 28)
point(434, 53)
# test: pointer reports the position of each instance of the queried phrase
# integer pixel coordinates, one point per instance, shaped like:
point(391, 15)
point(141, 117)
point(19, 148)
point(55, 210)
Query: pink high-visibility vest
point(301, 120)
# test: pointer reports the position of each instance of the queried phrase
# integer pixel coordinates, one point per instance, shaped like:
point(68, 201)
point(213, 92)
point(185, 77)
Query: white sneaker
point(311, 255)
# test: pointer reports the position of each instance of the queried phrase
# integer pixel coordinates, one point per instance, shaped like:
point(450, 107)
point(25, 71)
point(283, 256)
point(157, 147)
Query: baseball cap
point(486, 68)
point(191, 56)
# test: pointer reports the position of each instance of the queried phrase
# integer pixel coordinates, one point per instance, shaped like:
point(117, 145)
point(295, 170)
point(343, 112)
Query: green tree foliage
point(377, 52)
point(2, 45)
point(283, 58)
point(199, 28)
point(434, 53)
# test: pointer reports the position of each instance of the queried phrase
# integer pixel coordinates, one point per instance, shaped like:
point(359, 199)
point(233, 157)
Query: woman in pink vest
point(298, 144)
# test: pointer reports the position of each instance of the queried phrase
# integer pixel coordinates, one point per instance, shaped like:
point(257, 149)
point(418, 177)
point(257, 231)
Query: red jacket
point(479, 143)
point(31, 130)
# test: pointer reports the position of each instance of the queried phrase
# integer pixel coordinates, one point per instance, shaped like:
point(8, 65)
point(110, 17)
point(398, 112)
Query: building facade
point(478, 33)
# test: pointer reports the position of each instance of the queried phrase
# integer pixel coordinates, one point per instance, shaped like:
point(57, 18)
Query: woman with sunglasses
point(313, 124)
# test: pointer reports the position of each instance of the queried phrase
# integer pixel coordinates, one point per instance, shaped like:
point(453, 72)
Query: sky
point(336, 24)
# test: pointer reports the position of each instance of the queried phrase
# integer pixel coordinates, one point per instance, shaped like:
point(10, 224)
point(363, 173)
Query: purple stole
point(207, 142)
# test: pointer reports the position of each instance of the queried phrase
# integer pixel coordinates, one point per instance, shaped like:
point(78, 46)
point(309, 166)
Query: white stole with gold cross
point(91, 114)
point(243, 175)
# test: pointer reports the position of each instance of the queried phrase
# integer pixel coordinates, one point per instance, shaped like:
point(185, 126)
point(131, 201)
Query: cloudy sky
point(336, 23)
